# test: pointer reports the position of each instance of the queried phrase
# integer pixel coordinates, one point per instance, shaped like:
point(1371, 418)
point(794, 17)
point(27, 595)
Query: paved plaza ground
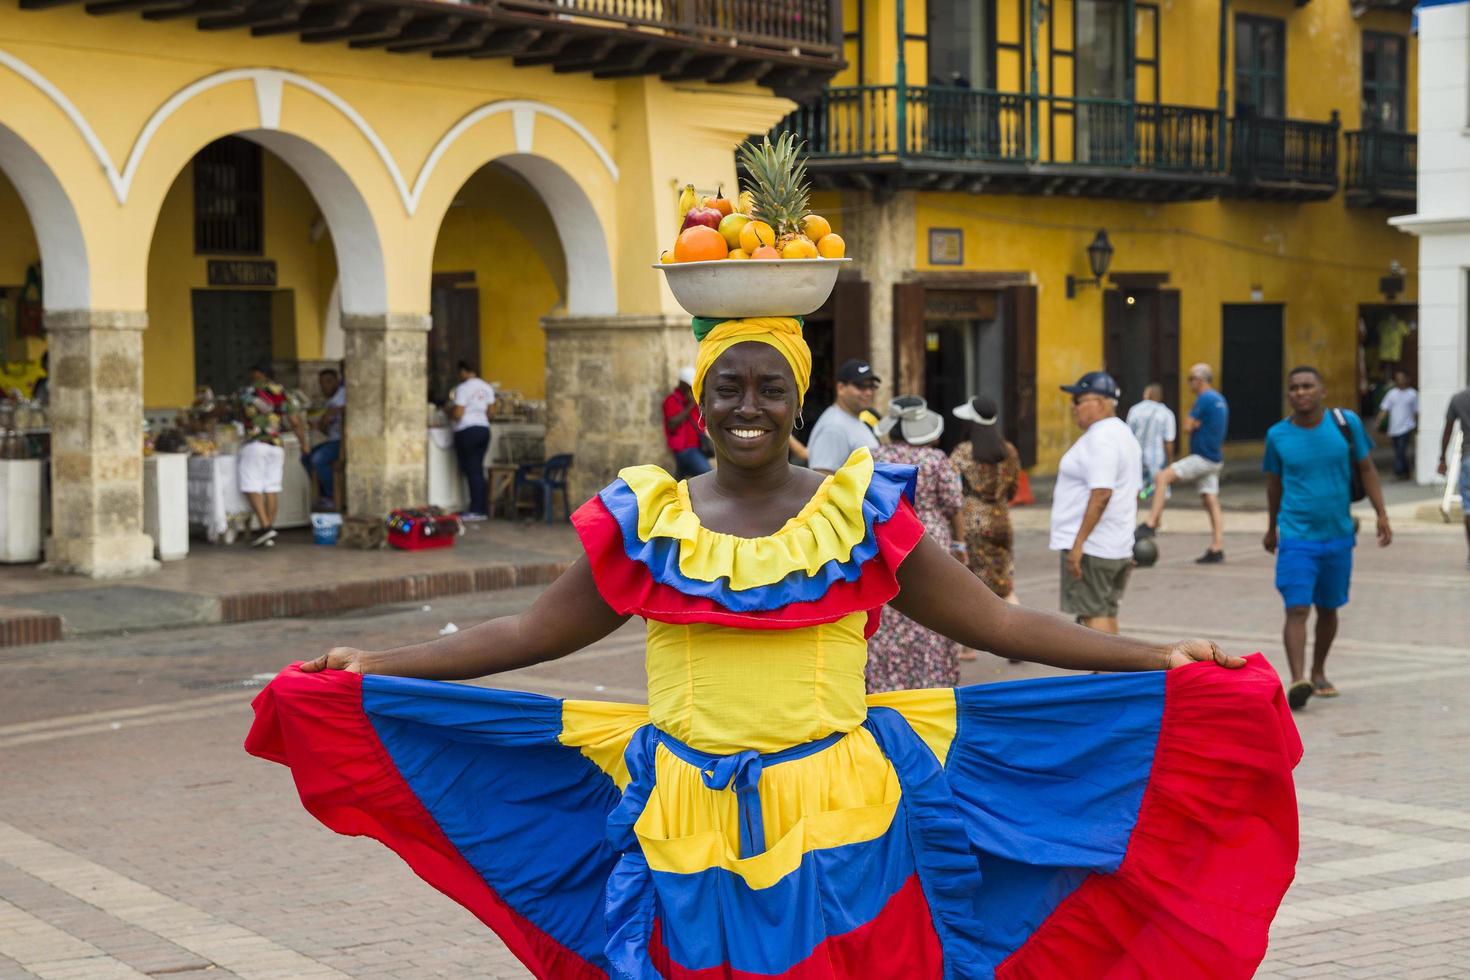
point(137, 839)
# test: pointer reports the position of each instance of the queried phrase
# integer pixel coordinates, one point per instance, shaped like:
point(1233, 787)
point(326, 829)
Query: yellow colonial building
point(1240, 158)
point(190, 187)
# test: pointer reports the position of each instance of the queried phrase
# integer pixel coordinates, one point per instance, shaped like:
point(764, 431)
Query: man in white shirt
point(468, 408)
point(1400, 407)
point(1155, 428)
point(1095, 504)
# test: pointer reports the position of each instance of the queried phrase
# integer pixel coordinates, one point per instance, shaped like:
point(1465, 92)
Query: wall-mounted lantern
point(1099, 257)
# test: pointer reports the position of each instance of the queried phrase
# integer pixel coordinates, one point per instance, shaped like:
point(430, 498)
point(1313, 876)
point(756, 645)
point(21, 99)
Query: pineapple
point(777, 182)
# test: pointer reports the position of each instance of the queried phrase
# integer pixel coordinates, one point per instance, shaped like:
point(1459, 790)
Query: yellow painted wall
point(19, 356)
point(498, 229)
point(174, 271)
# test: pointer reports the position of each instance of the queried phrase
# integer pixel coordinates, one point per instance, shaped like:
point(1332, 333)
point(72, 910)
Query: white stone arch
point(590, 286)
point(54, 219)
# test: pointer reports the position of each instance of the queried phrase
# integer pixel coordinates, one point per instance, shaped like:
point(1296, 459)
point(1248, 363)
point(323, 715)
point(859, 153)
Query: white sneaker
point(472, 517)
point(266, 537)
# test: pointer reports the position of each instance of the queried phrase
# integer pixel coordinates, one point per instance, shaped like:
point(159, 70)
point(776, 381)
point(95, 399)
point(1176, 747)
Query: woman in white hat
point(904, 655)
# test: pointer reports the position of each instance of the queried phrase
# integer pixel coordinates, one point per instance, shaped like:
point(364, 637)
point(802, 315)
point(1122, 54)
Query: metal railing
point(812, 25)
point(937, 123)
point(1379, 161)
point(1284, 151)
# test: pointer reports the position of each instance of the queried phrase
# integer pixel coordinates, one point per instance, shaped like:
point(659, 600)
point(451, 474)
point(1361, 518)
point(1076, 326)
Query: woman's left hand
point(1188, 651)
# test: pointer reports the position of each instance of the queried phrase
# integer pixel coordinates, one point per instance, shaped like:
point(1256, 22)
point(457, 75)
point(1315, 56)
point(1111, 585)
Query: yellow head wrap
point(781, 332)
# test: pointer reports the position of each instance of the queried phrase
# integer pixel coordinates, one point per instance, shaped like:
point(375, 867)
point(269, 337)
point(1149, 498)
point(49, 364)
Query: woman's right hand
point(337, 658)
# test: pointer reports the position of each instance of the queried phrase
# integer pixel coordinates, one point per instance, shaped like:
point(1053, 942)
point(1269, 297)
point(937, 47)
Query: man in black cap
point(1095, 504)
point(839, 431)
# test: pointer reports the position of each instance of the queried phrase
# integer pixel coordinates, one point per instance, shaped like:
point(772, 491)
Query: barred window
point(227, 199)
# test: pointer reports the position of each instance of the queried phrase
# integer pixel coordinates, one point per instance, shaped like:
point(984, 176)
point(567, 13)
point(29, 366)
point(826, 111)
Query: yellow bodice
point(721, 689)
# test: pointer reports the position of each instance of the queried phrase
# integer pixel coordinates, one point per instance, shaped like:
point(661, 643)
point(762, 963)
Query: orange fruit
point(799, 248)
point(765, 252)
point(831, 246)
point(755, 234)
point(738, 253)
point(720, 202)
point(815, 227)
point(700, 243)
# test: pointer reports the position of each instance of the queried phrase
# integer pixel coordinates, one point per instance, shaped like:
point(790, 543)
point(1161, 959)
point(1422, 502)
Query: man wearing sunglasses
point(1095, 504)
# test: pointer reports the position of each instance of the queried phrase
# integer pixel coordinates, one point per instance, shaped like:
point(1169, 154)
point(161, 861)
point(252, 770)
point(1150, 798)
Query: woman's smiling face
point(750, 404)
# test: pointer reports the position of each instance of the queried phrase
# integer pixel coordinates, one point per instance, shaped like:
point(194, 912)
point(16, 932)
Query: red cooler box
point(418, 530)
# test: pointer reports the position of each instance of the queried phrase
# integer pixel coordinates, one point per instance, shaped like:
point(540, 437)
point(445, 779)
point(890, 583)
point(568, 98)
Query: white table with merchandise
point(217, 505)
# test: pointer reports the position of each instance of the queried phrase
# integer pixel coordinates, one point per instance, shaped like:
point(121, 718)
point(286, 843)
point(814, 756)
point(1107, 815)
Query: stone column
point(881, 237)
point(383, 439)
point(96, 417)
point(606, 379)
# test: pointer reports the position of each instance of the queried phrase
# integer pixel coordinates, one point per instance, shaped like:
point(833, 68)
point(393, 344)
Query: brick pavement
point(137, 839)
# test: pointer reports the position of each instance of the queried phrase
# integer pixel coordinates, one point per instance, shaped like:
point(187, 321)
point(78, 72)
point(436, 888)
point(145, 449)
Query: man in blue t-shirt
point(1308, 468)
point(1206, 427)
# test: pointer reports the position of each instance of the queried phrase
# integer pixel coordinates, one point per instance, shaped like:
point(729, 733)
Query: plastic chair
point(549, 476)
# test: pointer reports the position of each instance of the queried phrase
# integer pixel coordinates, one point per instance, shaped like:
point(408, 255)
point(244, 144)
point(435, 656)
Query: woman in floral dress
point(989, 467)
point(904, 655)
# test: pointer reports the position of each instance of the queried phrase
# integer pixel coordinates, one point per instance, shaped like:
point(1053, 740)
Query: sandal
point(1299, 694)
point(1325, 690)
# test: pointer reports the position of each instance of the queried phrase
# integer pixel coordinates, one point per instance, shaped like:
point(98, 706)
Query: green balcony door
point(1102, 71)
point(961, 54)
point(1383, 82)
point(1260, 68)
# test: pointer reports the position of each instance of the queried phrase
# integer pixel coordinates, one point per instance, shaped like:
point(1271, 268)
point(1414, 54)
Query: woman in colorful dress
point(903, 655)
point(761, 815)
point(989, 466)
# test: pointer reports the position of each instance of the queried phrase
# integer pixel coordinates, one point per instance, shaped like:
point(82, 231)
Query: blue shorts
point(1314, 573)
point(1465, 483)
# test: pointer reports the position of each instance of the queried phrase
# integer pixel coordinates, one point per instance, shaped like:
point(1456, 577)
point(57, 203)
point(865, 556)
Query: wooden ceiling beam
point(384, 23)
point(422, 34)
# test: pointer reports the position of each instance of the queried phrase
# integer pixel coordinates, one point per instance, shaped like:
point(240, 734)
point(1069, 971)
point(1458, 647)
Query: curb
point(22, 627)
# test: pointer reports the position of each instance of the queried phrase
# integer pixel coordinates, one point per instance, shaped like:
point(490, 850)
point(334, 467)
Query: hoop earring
point(703, 429)
point(800, 422)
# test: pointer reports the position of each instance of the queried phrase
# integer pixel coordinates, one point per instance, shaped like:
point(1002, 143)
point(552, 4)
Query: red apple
point(709, 217)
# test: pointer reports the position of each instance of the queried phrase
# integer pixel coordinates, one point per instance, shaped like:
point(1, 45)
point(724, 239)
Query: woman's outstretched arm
point(568, 616)
point(941, 594)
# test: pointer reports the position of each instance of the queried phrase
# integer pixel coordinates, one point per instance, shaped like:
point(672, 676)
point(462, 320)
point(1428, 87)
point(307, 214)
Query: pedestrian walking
point(322, 457)
point(1458, 411)
point(1094, 504)
point(1155, 428)
point(903, 655)
point(761, 815)
point(682, 428)
point(989, 468)
point(1399, 411)
point(1206, 426)
point(840, 430)
point(468, 408)
point(265, 407)
point(1310, 462)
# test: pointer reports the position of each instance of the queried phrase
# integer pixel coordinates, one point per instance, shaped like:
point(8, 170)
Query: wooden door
point(1251, 356)
point(232, 334)
point(1141, 342)
point(454, 305)
point(1020, 393)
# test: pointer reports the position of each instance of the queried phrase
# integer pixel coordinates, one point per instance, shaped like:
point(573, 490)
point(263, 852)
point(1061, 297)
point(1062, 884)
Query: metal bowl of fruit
point(724, 289)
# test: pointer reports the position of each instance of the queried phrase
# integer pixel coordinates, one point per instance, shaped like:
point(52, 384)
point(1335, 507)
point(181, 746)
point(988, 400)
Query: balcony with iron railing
point(791, 46)
point(931, 137)
point(1382, 169)
point(1284, 159)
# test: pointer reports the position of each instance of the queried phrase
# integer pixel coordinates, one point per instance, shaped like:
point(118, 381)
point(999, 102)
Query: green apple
point(730, 226)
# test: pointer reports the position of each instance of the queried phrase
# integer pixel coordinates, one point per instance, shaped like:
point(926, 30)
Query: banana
point(688, 198)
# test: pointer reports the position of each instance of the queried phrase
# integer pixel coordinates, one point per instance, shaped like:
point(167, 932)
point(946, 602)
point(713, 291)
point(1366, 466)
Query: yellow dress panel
point(723, 690)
